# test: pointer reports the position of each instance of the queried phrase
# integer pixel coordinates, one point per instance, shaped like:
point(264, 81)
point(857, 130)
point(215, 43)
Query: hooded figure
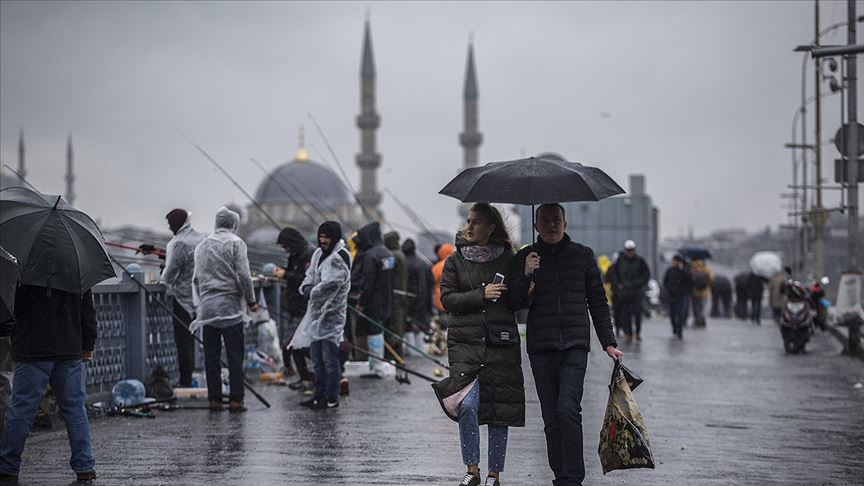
point(177, 277)
point(420, 283)
point(400, 286)
point(222, 282)
point(443, 252)
point(375, 285)
point(222, 291)
point(327, 282)
point(299, 253)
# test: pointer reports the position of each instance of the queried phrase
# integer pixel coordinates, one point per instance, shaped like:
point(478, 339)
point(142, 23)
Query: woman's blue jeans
point(469, 434)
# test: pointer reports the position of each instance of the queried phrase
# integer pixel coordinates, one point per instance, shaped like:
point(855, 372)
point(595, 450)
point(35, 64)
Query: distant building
point(605, 225)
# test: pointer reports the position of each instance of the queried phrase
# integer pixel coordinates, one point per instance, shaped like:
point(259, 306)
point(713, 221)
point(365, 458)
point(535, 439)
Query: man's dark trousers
point(234, 350)
point(559, 376)
point(184, 342)
point(678, 312)
point(631, 314)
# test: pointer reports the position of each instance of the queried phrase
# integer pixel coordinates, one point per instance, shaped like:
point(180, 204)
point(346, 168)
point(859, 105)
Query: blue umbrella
point(694, 253)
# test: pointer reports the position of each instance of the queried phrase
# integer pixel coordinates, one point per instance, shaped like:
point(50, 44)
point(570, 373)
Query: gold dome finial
point(301, 153)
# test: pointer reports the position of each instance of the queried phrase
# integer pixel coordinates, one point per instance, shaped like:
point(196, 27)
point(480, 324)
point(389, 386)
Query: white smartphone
point(497, 279)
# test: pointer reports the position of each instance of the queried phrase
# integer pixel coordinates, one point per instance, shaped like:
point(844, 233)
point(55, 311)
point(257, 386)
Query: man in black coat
point(755, 289)
point(721, 297)
point(299, 253)
point(421, 283)
point(374, 287)
point(631, 276)
point(55, 332)
point(678, 284)
point(742, 281)
point(566, 288)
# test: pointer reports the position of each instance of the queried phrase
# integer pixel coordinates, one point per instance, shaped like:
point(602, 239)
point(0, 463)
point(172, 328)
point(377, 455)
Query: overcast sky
point(697, 96)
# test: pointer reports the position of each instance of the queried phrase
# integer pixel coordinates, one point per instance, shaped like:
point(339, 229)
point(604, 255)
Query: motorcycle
point(796, 318)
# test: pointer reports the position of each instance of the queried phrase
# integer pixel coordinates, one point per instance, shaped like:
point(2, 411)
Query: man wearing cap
point(558, 280)
point(177, 276)
point(631, 277)
point(678, 284)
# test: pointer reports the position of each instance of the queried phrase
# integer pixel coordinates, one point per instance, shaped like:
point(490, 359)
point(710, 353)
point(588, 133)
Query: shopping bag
point(624, 438)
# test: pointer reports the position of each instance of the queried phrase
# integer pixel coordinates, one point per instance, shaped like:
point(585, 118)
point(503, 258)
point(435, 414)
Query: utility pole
point(852, 141)
point(818, 215)
point(803, 218)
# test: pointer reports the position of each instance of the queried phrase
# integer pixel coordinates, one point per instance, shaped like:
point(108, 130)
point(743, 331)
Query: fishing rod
point(236, 184)
point(159, 252)
point(174, 316)
point(396, 365)
point(391, 333)
point(413, 216)
point(276, 225)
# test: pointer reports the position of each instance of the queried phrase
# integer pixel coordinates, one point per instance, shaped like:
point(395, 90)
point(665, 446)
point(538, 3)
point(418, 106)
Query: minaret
point(70, 173)
point(368, 121)
point(470, 138)
point(22, 170)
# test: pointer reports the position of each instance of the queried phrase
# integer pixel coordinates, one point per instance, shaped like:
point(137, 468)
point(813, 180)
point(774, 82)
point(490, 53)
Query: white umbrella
point(766, 264)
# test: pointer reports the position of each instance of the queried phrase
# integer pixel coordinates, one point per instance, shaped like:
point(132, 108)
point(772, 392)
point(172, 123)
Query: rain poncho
point(327, 283)
point(221, 283)
point(180, 264)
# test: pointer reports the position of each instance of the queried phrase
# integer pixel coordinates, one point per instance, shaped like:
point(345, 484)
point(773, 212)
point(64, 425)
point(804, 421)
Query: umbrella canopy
point(8, 282)
point(530, 181)
point(766, 264)
point(694, 253)
point(56, 245)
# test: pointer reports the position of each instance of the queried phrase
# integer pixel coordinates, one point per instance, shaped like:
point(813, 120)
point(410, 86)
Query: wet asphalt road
point(723, 406)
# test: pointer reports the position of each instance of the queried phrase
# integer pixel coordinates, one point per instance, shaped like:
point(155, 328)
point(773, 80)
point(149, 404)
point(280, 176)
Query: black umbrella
point(530, 181)
point(56, 245)
point(8, 282)
point(694, 253)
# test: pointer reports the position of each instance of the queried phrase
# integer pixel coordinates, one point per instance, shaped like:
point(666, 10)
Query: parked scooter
point(796, 319)
point(819, 303)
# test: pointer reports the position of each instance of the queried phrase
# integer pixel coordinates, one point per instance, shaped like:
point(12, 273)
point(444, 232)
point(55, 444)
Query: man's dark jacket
point(678, 282)
point(421, 282)
point(375, 284)
point(295, 272)
point(400, 283)
point(52, 325)
point(566, 287)
point(633, 273)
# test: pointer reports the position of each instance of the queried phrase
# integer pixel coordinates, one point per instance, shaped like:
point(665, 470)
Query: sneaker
point(308, 388)
point(296, 385)
point(216, 406)
point(492, 481)
point(324, 404)
point(86, 476)
point(638, 338)
point(308, 403)
point(470, 480)
point(343, 387)
point(236, 407)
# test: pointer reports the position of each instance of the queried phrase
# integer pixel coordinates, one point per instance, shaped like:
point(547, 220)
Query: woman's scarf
point(482, 253)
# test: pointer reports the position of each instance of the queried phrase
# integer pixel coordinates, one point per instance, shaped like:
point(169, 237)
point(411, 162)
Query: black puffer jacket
point(498, 369)
point(375, 285)
point(566, 286)
point(633, 273)
point(678, 282)
point(420, 283)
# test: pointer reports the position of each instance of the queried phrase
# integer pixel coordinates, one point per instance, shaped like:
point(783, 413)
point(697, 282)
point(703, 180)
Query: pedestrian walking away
point(678, 284)
point(755, 290)
point(721, 297)
point(631, 280)
point(177, 277)
point(222, 291)
point(485, 386)
point(326, 285)
point(702, 278)
point(741, 280)
point(420, 286)
point(567, 288)
point(299, 254)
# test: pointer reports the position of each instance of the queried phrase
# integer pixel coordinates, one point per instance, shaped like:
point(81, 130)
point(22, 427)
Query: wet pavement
point(723, 406)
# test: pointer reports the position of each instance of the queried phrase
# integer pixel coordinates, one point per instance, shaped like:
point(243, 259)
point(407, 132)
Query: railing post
point(136, 327)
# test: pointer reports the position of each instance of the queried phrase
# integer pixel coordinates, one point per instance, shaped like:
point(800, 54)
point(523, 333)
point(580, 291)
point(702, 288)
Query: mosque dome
point(302, 181)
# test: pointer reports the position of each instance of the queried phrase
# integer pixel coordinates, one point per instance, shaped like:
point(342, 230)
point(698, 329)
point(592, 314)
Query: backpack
point(700, 280)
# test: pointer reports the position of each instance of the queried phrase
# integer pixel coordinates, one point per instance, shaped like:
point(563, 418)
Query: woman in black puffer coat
point(485, 385)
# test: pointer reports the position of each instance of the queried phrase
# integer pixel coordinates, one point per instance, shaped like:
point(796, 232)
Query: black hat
point(331, 229)
point(176, 219)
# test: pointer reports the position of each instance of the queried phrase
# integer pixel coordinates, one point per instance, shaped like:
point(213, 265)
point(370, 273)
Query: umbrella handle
point(57, 202)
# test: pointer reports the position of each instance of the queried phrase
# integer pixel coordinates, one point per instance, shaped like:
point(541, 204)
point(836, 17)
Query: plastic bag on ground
point(624, 437)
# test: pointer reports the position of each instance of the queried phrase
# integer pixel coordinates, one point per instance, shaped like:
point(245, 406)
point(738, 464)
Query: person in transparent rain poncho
point(327, 282)
point(177, 276)
point(222, 291)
